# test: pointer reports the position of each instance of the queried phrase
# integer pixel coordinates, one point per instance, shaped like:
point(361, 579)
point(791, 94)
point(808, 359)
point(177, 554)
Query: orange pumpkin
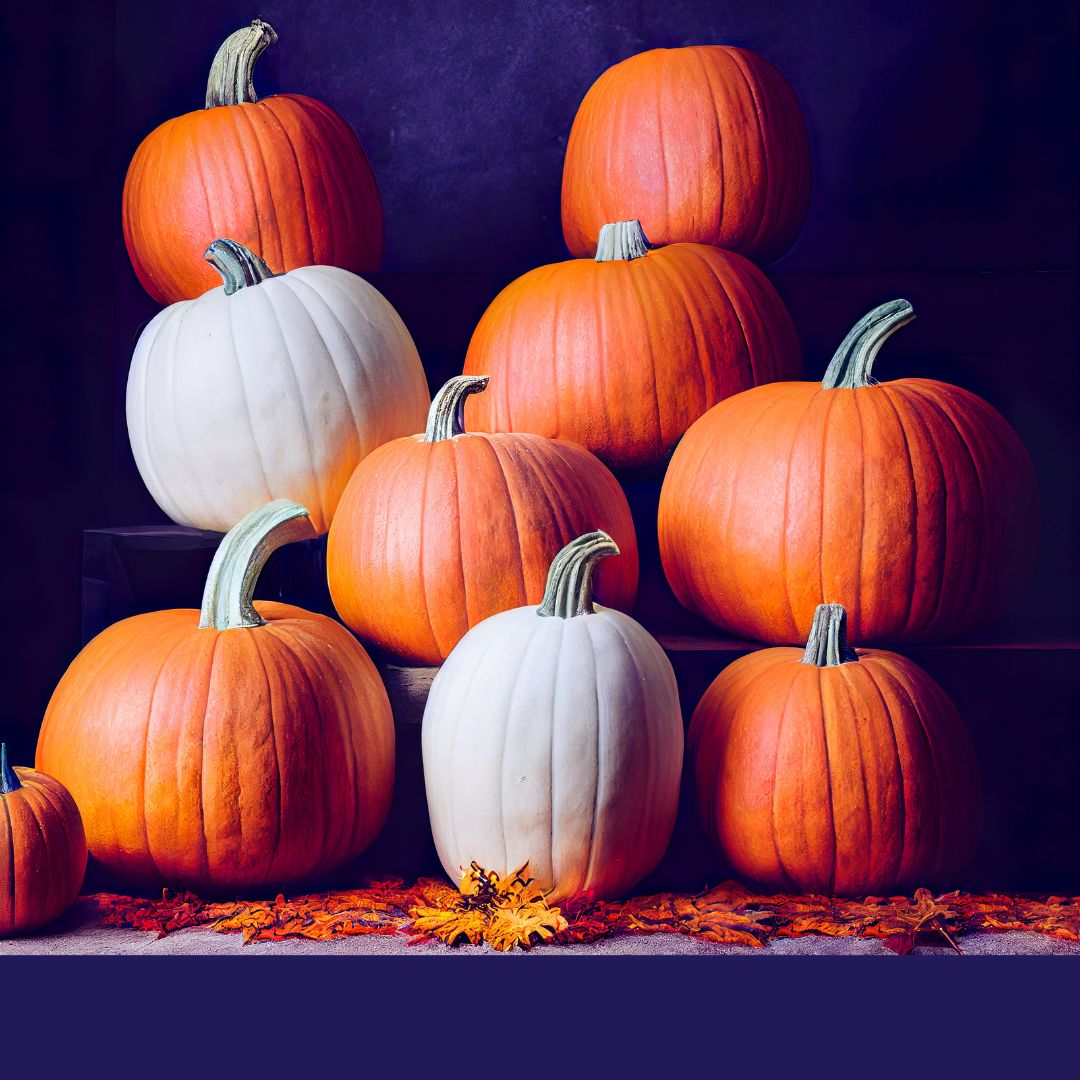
point(245, 745)
point(622, 353)
point(437, 532)
point(914, 500)
point(705, 143)
point(834, 770)
point(285, 177)
point(42, 849)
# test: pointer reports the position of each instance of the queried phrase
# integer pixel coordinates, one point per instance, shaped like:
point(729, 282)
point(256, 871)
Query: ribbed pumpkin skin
point(624, 356)
point(284, 176)
point(42, 853)
point(223, 760)
point(276, 391)
point(912, 502)
point(558, 742)
point(705, 143)
point(850, 780)
point(430, 538)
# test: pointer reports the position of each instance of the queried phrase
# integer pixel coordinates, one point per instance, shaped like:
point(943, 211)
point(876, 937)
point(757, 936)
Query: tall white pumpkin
point(553, 736)
point(270, 386)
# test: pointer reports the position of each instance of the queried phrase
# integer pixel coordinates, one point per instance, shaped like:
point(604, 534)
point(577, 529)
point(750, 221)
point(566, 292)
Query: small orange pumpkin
point(705, 143)
point(622, 353)
point(284, 176)
point(42, 849)
point(437, 532)
point(833, 770)
point(246, 745)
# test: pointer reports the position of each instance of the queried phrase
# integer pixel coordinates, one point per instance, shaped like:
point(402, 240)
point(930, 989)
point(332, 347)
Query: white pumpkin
point(553, 736)
point(268, 387)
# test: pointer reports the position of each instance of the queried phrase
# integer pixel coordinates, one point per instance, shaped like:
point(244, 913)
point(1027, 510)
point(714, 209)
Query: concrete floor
point(80, 933)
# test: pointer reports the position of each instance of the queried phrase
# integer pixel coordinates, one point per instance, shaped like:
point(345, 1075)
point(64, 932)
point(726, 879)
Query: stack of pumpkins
point(251, 744)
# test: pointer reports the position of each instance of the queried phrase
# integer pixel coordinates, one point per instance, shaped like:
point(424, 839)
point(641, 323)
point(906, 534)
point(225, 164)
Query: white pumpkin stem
point(9, 782)
point(238, 266)
point(827, 645)
point(446, 417)
point(569, 589)
point(230, 73)
point(851, 364)
point(240, 559)
point(622, 240)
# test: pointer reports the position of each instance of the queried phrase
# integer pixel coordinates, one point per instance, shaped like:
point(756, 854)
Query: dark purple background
point(945, 154)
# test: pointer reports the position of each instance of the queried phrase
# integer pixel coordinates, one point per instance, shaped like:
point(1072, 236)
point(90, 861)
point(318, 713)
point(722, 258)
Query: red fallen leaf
point(901, 944)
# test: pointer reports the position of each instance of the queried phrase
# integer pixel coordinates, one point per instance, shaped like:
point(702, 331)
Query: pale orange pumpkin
point(705, 143)
point(624, 351)
point(437, 532)
point(246, 745)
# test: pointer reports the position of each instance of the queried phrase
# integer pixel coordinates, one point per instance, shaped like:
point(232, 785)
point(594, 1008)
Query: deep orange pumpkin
point(243, 746)
point(705, 144)
point(284, 176)
point(42, 849)
point(832, 770)
point(622, 353)
point(435, 533)
point(913, 500)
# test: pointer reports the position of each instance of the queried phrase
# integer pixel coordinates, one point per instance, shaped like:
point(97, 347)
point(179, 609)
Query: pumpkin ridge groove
point(205, 843)
point(51, 882)
point(659, 442)
point(238, 353)
point(824, 485)
point(658, 71)
point(275, 851)
point(828, 780)
point(241, 143)
point(141, 801)
point(894, 872)
point(592, 667)
point(763, 201)
point(914, 509)
point(857, 592)
point(773, 831)
point(196, 158)
point(457, 534)
point(326, 208)
point(421, 574)
point(856, 723)
point(718, 129)
point(722, 287)
point(492, 447)
point(11, 858)
point(270, 202)
point(793, 623)
point(310, 442)
point(975, 590)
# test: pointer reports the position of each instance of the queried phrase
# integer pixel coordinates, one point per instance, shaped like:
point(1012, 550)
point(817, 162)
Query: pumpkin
point(914, 500)
point(704, 144)
point(437, 532)
point(42, 849)
point(285, 176)
point(245, 745)
point(552, 736)
point(834, 770)
point(622, 353)
point(269, 386)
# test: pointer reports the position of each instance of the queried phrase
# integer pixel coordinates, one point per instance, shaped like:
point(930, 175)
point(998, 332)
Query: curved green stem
point(827, 645)
point(446, 417)
point(569, 589)
point(622, 240)
point(230, 73)
point(238, 266)
point(851, 364)
point(9, 782)
point(240, 558)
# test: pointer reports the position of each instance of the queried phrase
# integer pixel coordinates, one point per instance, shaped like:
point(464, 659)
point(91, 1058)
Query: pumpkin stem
point(9, 782)
point(230, 73)
point(851, 363)
point(623, 240)
point(446, 417)
point(569, 589)
point(240, 558)
point(238, 266)
point(827, 645)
